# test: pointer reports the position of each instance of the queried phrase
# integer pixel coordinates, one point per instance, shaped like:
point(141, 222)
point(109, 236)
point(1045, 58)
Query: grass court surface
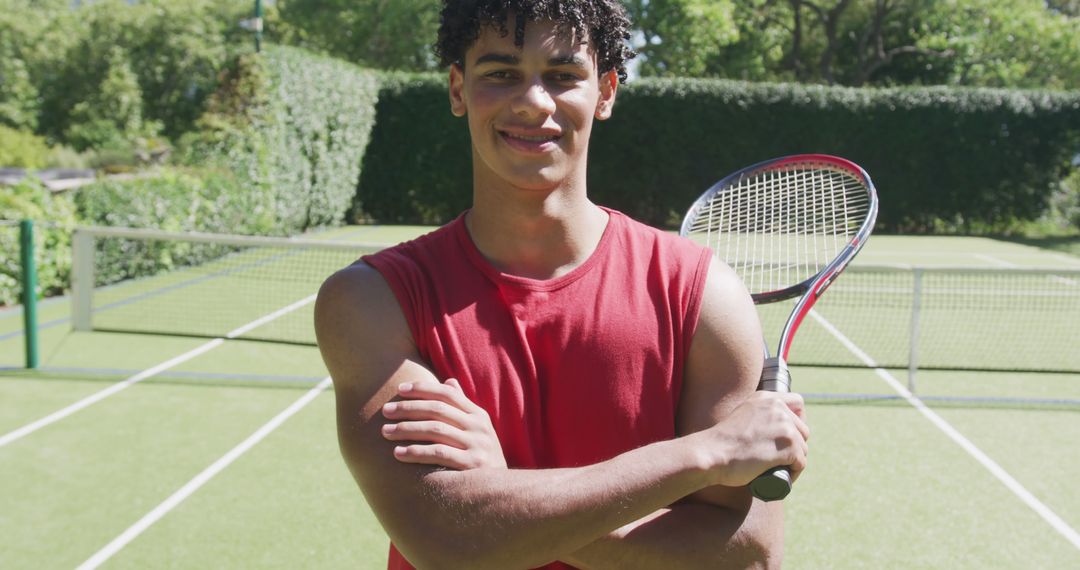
point(152, 451)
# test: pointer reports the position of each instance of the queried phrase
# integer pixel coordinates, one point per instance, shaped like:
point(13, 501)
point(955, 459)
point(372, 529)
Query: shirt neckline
point(497, 276)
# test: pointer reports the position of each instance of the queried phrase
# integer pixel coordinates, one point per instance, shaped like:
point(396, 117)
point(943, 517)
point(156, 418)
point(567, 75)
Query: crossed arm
point(681, 502)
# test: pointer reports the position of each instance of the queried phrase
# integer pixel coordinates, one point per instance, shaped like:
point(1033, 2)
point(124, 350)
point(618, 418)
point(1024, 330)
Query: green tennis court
point(186, 444)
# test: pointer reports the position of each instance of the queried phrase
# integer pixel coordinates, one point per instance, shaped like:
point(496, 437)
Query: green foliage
point(112, 115)
point(979, 43)
point(54, 218)
point(373, 33)
point(680, 37)
point(170, 50)
point(418, 166)
point(171, 200)
point(956, 159)
point(293, 127)
point(22, 149)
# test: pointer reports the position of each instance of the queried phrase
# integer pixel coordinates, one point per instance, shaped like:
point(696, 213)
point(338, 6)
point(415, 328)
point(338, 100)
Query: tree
point(112, 114)
point(680, 37)
point(383, 34)
point(1024, 43)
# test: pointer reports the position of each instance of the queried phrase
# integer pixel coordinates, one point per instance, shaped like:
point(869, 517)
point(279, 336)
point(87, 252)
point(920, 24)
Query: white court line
point(1067, 259)
point(1004, 263)
point(993, 260)
point(996, 470)
point(199, 480)
point(148, 373)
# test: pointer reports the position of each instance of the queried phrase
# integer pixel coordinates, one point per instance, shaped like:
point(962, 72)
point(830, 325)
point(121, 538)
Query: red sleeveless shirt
point(572, 370)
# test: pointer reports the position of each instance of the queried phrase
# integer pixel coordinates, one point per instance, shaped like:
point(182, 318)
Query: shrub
point(22, 149)
point(54, 216)
point(293, 128)
point(170, 200)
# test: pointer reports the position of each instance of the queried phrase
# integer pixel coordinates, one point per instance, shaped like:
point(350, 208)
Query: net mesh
point(943, 318)
point(953, 318)
point(250, 288)
point(780, 226)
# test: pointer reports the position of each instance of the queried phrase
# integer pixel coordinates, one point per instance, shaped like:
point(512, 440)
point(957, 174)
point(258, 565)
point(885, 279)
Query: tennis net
point(203, 285)
point(945, 318)
point(899, 316)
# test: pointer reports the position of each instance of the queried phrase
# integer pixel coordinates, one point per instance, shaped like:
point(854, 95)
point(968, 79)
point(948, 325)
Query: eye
point(565, 77)
point(499, 74)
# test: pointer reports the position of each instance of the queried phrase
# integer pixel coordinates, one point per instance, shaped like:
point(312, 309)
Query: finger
point(800, 425)
point(434, 454)
point(440, 392)
point(425, 410)
point(426, 431)
point(795, 403)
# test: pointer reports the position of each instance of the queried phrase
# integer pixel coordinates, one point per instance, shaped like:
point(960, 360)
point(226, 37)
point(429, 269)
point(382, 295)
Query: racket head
point(783, 223)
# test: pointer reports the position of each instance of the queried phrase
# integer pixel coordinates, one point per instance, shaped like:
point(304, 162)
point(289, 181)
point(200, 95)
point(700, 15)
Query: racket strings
point(779, 227)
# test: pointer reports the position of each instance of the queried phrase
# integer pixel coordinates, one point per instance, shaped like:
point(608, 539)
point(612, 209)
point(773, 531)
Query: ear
point(457, 85)
point(609, 85)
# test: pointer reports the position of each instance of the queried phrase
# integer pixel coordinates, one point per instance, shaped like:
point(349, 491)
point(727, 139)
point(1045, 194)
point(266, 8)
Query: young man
point(544, 381)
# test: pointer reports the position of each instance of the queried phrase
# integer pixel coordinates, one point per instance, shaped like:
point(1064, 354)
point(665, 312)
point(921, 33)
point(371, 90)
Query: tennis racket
point(788, 227)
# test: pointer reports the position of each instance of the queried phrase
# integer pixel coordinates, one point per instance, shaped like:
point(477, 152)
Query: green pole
point(258, 25)
point(29, 291)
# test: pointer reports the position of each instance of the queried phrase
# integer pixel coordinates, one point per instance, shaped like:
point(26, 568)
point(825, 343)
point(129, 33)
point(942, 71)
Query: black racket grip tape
point(774, 484)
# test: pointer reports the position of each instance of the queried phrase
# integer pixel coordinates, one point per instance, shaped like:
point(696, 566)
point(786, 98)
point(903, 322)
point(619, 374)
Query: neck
point(535, 234)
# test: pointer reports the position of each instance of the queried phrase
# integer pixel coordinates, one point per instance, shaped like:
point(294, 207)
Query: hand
point(765, 431)
point(446, 427)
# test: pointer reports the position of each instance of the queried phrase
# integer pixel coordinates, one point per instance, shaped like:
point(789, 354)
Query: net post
point(82, 279)
point(913, 340)
point(29, 291)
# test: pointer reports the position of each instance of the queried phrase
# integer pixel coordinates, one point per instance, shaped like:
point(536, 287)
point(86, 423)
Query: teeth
point(531, 139)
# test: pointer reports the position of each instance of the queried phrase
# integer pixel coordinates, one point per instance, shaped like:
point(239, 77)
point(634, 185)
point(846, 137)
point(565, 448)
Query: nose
point(534, 100)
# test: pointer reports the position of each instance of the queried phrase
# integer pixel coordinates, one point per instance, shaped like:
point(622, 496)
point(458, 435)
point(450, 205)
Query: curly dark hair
point(604, 22)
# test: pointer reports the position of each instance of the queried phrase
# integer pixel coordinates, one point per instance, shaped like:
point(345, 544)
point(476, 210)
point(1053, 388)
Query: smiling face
point(530, 108)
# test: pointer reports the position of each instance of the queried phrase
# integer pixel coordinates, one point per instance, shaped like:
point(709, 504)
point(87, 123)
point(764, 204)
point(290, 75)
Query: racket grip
point(774, 484)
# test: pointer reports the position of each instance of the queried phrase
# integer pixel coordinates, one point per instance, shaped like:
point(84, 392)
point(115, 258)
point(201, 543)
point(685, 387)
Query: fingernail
point(399, 450)
point(389, 428)
point(389, 406)
point(405, 387)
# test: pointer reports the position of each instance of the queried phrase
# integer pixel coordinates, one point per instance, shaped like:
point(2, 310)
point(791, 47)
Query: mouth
point(534, 142)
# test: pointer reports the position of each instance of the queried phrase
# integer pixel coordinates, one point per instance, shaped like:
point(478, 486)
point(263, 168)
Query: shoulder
point(357, 315)
point(664, 247)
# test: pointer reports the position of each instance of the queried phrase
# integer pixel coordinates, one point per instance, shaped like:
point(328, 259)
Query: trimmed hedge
point(942, 158)
point(292, 127)
point(418, 165)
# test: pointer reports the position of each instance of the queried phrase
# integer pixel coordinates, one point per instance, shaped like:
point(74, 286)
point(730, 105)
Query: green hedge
point(292, 127)
point(942, 158)
point(54, 218)
point(418, 166)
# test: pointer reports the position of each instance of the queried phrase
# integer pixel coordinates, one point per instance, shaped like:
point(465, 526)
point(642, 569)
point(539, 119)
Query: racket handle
point(774, 484)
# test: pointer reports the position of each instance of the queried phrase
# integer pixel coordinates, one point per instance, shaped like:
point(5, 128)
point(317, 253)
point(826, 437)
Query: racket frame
point(776, 483)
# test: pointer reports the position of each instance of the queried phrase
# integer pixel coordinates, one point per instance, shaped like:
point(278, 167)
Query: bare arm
point(717, 527)
point(489, 517)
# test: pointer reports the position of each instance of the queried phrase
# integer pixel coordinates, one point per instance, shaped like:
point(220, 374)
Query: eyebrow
point(509, 59)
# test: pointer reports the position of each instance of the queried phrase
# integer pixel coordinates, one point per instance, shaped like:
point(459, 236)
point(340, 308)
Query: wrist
point(698, 459)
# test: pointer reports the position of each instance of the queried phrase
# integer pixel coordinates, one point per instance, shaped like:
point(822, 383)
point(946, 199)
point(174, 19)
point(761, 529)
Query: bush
point(54, 217)
point(293, 128)
point(21, 149)
point(170, 200)
point(955, 159)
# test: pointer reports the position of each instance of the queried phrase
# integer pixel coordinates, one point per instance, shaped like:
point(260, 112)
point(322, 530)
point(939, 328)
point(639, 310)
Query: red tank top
point(572, 370)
